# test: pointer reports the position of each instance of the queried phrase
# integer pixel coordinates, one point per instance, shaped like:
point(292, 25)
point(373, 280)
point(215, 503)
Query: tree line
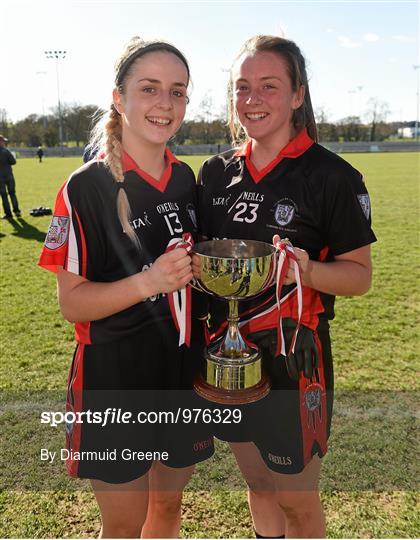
point(206, 128)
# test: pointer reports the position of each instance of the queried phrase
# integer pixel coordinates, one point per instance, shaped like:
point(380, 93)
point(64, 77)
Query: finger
point(178, 253)
point(183, 272)
point(185, 279)
point(315, 357)
point(276, 239)
point(299, 360)
point(307, 363)
point(290, 274)
point(180, 264)
point(291, 367)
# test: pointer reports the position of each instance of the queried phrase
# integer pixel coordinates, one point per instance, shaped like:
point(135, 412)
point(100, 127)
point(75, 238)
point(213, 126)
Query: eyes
point(177, 93)
point(244, 88)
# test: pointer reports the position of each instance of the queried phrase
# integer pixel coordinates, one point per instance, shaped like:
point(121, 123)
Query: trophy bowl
point(233, 270)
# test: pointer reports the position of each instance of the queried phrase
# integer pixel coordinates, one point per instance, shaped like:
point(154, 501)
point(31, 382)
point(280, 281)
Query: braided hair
point(107, 134)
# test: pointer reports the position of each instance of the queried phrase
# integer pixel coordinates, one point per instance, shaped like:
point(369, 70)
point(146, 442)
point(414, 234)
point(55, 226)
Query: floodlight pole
point(44, 119)
point(58, 55)
point(416, 67)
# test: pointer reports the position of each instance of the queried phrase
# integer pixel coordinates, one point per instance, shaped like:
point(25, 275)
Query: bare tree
point(78, 121)
point(376, 113)
point(4, 124)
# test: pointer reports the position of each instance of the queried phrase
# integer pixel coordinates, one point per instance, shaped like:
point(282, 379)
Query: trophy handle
point(198, 287)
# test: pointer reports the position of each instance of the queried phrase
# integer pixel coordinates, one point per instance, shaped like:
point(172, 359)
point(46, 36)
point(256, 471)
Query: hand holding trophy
point(233, 270)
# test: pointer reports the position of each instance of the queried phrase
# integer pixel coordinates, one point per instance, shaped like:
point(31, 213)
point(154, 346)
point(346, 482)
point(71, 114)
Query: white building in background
point(409, 132)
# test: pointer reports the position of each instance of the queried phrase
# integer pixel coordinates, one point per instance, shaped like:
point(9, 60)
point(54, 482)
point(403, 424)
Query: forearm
point(340, 278)
point(90, 301)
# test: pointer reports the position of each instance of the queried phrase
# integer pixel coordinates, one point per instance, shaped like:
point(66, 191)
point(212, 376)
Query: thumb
point(276, 239)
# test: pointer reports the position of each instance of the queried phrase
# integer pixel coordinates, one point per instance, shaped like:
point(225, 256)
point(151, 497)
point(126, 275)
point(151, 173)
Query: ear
point(117, 99)
point(299, 97)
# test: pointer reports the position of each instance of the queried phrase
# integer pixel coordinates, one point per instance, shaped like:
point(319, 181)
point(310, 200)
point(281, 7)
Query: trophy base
point(231, 397)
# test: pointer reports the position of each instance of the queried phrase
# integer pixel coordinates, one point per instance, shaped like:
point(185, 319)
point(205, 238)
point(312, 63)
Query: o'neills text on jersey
point(167, 207)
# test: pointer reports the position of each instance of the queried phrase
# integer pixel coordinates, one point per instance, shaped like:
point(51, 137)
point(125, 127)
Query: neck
point(149, 157)
point(263, 151)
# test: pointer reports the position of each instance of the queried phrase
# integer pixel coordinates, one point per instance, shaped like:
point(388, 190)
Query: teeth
point(256, 116)
point(159, 121)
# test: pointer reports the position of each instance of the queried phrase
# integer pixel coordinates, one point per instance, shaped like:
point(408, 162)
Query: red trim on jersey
point(313, 423)
point(82, 332)
point(82, 329)
point(294, 148)
point(312, 307)
point(128, 164)
point(83, 245)
point(74, 404)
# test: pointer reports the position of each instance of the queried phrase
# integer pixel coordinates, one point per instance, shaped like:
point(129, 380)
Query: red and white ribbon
point(286, 254)
point(180, 300)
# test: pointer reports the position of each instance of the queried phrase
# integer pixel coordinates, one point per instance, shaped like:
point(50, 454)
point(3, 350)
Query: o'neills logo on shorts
point(201, 445)
point(280, 460)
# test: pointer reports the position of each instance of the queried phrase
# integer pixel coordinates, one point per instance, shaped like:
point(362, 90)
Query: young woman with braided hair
point(117, 242)
point(279, 181)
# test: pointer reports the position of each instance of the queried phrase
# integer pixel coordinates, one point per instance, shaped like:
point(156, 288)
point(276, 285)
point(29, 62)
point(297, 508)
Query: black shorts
point(139, 388)
point(293, 422)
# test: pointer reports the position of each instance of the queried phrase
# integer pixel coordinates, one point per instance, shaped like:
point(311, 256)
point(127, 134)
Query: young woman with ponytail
point(279, 181)
point(118, 242)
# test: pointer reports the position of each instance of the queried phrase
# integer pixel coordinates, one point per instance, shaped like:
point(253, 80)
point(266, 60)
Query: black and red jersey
point(306, 194)
point(86, 237)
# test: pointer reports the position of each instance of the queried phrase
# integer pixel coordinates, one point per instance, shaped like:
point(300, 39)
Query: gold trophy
point(233, 270)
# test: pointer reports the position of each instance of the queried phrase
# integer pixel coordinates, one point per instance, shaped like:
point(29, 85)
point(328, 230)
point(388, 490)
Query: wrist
point(307, 275)
point(145, 284)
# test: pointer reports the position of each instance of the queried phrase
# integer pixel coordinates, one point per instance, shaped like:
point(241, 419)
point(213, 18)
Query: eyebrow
point(156, 81)
point(262, 78)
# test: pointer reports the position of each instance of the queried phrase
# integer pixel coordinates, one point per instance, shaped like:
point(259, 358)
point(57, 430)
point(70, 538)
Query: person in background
point(40, 153)
point(7, 180)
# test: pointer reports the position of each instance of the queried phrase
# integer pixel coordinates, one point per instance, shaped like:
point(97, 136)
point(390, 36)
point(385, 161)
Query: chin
point(255, 133)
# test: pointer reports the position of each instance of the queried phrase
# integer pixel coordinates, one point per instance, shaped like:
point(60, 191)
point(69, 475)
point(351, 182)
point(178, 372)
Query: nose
point(165, 100)
point(254, 98)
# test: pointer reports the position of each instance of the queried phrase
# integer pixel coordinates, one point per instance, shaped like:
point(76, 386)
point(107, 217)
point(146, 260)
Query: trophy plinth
point(233, 270)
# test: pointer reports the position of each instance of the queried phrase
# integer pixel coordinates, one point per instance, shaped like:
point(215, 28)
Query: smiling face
point(263, 97)
point(153, 100)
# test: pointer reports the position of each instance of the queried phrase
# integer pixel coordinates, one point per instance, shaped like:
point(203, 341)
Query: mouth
point(159, 121)
point(256, 116)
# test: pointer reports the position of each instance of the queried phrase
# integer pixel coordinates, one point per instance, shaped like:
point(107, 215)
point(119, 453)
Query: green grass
point(368, 493)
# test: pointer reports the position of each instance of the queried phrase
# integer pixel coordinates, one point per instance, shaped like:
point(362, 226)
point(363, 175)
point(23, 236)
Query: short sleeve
point(55, 252)
point(347, 212)
point(73, 240)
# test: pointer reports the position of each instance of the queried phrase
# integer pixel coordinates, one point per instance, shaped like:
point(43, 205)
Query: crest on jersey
point(365, 204)
point(284, 212)
point(192, 214)
point(313, 397)
point(58, 232)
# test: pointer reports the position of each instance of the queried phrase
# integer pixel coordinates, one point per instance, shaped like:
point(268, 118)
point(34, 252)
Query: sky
point(355, 50)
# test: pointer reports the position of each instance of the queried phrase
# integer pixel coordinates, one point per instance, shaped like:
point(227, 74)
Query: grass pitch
point(369, 475)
